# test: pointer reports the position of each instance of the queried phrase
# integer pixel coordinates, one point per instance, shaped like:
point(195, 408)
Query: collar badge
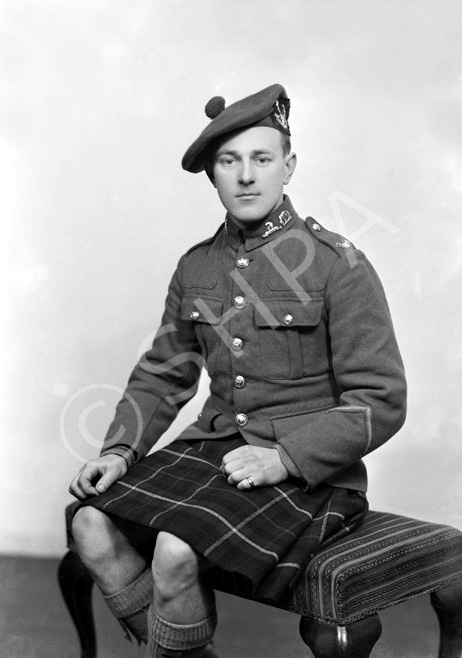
point(345, 244)
point(284, 218)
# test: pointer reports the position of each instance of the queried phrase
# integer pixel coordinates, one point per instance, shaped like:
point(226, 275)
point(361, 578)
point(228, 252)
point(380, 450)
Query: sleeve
point(166, 377)
point(368, 370)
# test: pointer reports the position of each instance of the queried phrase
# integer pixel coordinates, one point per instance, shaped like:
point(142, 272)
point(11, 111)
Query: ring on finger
point(251, 482)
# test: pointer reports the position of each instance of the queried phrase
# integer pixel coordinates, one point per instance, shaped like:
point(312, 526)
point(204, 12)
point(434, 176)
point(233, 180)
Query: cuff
point(288, 462)
point(122, 450)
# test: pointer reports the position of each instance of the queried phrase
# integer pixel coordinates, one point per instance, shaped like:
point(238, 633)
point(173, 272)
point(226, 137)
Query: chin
point(250, 215)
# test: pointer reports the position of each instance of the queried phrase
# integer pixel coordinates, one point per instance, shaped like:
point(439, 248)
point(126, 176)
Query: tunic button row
point(239, 302)
point(241, 420)
point(288, 319)
point(237, 344)
point(239, 381)
point(242, 262)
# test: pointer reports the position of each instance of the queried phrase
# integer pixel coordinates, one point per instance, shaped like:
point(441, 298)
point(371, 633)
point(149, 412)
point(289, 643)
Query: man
point(306, 379)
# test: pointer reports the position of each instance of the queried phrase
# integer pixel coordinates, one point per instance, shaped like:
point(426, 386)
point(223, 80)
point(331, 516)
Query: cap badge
point(284, 218)
point(281, 115)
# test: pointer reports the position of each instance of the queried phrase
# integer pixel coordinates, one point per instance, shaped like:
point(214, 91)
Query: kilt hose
point(264, 537)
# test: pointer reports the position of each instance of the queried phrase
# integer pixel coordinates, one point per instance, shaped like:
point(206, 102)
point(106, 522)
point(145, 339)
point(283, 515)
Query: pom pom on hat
point(268, 107)
point(215, 106)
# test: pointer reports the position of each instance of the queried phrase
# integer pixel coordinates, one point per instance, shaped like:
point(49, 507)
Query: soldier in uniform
point(293, 326)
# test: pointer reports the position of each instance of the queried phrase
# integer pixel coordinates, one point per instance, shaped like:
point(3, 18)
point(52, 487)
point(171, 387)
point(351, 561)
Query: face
point(250, 170)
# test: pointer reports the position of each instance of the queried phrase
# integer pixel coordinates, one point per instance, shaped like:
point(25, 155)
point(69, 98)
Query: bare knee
point(95, 535)
point(175, 566)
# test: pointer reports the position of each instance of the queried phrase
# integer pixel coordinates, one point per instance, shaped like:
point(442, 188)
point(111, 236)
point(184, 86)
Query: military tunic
point(295, 331)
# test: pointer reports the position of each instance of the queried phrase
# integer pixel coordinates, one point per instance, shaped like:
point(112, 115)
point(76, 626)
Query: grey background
point(98, 102)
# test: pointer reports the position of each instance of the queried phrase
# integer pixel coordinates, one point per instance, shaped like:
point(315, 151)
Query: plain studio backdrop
point(100, 99)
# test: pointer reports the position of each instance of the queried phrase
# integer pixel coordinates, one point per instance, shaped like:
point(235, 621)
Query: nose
point(246, 173)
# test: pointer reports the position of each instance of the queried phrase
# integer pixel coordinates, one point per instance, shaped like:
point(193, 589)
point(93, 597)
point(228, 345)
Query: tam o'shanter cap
point(269, 107)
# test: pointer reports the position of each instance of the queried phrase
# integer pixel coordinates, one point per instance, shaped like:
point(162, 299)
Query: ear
point(290, 162)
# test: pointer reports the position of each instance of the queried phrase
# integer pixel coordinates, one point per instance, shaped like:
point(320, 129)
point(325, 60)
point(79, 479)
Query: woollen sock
point(168, 640)
point(130, 606)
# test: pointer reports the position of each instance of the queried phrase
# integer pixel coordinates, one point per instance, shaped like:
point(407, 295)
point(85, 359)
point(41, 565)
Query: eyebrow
point(238, 153)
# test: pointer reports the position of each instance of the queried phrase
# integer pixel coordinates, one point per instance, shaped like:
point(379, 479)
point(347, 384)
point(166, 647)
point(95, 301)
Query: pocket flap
point(198, 308)
point(288, 313)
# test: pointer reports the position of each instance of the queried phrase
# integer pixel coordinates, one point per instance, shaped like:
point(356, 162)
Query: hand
point(263, 465)
point(97, 475)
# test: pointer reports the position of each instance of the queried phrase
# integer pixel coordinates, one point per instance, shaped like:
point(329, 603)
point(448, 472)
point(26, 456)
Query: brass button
point(242, 262)
point(241, 420)
point(237, 344)
point(194, 315)
point(239, 302)
point(239, 381)
point(288, 319)
point(315, 227)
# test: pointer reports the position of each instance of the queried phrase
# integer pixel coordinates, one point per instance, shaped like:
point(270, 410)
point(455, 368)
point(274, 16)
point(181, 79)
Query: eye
point(227, 160)
point(263, 159)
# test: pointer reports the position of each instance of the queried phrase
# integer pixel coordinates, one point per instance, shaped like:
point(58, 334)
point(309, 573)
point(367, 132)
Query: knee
point(91, 530)
point(175, 566)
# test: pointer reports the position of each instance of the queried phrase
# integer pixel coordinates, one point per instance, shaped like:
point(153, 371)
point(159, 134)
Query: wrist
point(129, 455)
point(287, 462)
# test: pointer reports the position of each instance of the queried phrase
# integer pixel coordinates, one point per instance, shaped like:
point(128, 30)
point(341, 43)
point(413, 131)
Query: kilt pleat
point(266, 535)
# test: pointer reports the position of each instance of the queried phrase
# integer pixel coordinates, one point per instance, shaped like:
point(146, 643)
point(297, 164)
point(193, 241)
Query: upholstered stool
point(387, 560)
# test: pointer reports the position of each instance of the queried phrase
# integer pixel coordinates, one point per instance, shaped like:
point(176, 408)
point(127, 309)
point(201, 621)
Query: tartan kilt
point(264, 537)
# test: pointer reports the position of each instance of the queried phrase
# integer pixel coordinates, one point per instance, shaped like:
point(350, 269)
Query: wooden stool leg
point(76, 586)
point(447, 604)
point(330, 641)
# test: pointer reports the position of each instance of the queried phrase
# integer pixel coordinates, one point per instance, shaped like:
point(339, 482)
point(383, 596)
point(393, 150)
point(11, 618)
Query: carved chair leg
point(76, 587)
point(329, 641)
point(447, 604)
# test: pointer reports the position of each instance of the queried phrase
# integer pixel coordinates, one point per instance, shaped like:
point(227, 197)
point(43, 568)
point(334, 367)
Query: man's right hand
point(97, 476)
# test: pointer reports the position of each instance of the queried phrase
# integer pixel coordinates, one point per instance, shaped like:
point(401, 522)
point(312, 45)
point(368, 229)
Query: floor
point(34, 623)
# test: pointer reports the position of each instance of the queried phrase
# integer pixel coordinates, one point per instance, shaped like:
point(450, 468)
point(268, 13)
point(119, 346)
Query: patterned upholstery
point(387, 560)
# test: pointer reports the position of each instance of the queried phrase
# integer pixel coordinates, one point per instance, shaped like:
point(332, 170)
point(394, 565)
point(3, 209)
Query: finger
point(87, 486)
point(244, 485)
point(231, 467)
point(113, 473)
point(105, 482)
point(76, 490)
point(233, 455)
point(83, 484)
point(237, 476)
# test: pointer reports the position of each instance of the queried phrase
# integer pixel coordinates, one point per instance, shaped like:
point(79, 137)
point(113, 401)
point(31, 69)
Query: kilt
point(265, 537)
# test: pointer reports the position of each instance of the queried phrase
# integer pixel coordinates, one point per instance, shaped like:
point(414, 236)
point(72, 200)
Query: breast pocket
point(205, 313)
point(290, 338)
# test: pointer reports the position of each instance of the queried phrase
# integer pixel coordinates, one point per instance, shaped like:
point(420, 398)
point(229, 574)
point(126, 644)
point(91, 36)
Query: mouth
point(247, 195)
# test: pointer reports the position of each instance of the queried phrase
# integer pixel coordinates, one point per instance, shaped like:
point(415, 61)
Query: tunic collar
point(260, 233)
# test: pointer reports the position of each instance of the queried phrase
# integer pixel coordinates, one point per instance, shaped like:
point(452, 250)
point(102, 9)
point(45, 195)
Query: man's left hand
point(262, 465)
